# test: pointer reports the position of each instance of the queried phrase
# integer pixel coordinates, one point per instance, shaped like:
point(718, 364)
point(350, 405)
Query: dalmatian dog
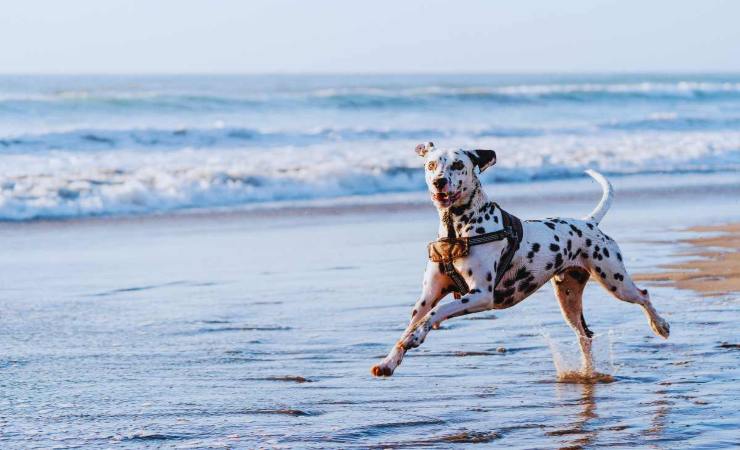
point(566, 251)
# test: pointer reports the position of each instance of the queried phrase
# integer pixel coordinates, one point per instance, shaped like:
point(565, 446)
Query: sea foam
point(59, 184)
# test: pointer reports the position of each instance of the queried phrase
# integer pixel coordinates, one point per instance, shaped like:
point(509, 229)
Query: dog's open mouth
point(445, 198)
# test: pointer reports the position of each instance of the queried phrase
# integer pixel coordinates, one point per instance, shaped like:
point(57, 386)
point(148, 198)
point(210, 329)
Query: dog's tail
point(606, 198)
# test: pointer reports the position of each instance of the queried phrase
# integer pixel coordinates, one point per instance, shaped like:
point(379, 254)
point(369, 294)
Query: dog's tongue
point(441, 196)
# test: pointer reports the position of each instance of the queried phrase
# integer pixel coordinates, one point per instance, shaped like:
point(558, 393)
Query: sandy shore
point(713, 267)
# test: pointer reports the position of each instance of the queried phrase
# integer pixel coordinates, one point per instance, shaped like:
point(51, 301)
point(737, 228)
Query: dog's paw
point(381, 370)
point(661, 327)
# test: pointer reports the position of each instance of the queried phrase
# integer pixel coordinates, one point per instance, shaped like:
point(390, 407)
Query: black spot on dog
point(548, 266)
point(554, 247)
point(480, 230)
point(576, 230)
point(558, 260)
point(495, 219)
point(502, 296)
point(490, 288)
point(475, 291)
point(464, 300)
point(614, 289)
point(619, 256)
point(606, 252)
point(470, 272)
point(424, 302)
point(535, 247)
point(588, 242)
point(588, 332)
point(550, 225)
point(489, 277)
point(521, 274)
point(557, 239)
point(590, 226)
point(523, 287)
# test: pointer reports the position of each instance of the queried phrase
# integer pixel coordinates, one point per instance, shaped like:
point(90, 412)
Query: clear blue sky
point(258, 36)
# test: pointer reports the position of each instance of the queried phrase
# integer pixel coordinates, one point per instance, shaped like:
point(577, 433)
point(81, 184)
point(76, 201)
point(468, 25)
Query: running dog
point(491, 260)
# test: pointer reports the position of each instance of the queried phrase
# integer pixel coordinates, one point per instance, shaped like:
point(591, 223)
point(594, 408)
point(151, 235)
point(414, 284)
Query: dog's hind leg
point(607, 267)
point(626, 290)
point(569, 287)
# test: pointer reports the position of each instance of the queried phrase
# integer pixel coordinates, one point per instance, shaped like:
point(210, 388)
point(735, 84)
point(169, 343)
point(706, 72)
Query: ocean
point(78, 146)
point(263, 242)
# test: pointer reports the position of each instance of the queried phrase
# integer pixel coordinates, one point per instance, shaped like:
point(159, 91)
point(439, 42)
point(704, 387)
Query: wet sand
point(258, 331)
point(712, 262)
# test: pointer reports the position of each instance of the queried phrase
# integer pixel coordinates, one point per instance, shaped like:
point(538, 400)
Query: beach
point(257, 328)
point(714, 264)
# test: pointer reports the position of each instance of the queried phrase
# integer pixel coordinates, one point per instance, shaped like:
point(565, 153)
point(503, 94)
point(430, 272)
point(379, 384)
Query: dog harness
point(447, 249)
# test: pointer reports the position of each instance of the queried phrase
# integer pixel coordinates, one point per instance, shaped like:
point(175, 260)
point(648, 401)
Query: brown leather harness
point(447, 249)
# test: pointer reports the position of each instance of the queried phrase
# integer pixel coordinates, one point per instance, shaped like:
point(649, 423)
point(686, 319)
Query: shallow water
point(198, 333)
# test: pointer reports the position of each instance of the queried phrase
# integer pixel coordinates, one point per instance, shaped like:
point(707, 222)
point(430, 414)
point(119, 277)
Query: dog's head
point(450, 174)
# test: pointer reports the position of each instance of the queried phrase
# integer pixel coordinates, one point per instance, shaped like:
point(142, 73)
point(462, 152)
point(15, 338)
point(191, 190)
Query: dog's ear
point(482, 158)
point(423, 149)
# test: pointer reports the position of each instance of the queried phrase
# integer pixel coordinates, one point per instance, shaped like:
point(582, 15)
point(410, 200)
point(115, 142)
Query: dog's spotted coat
point(566, 251)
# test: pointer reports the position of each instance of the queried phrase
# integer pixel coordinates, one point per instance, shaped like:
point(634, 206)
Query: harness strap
point(515, 225)
point(499, 235)
point(512, 232)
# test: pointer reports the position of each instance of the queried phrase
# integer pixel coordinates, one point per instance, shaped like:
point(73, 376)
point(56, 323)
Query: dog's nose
point(439, 183)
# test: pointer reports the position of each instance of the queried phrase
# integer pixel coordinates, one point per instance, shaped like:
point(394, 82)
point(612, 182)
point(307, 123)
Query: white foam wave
point(59, 184)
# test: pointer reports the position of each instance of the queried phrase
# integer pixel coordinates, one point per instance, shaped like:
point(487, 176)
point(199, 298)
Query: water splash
point(569, 367)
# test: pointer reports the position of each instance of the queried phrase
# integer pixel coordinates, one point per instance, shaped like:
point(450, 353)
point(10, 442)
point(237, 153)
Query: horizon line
point(378, 73)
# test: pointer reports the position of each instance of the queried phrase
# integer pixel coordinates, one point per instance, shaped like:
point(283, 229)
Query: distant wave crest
point(77, 184)
point(375, 97)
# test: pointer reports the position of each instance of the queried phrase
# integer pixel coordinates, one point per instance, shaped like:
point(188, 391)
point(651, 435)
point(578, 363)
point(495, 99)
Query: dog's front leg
point(435, 287)
point(473, 302)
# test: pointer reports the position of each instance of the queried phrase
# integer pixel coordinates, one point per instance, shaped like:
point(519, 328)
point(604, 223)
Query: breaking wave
point(59, 184)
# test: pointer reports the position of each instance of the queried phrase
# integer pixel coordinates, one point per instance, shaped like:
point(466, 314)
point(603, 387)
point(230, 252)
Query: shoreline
point(713, 265)
point(537, 195)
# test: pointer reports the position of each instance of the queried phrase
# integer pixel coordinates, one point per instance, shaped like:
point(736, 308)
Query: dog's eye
point(431, 165)
point(457, 165)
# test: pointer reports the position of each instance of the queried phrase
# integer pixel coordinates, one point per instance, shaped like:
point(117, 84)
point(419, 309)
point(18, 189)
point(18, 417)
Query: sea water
point(76, 146)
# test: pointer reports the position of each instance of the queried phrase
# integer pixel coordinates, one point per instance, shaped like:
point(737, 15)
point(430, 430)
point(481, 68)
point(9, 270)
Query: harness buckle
point(448, 249)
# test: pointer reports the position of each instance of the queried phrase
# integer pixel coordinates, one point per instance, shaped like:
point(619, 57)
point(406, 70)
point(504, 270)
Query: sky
point(379, 36)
